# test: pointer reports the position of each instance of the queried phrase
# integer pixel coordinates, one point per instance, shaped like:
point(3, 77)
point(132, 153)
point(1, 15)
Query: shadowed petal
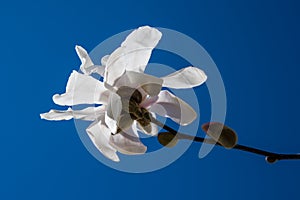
point(150, 84)
point(147, 102)
point(168, 105)
point(185, 78)
point(100, 134)
point(113, 112)
point(82, 89)
point(87, 66)
point(128, 142)
point(88, 114)
point(125, 122)
point(134, 53)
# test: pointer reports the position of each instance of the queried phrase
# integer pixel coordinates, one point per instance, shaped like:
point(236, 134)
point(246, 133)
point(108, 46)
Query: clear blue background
point(254, 43)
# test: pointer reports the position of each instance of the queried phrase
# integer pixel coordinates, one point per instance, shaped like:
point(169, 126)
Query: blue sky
point(255, 45)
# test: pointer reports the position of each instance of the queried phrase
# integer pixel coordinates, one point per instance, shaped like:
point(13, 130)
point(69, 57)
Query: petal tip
point(79, 48)
point(42, 115)
point(56, 99)
point(115, 158)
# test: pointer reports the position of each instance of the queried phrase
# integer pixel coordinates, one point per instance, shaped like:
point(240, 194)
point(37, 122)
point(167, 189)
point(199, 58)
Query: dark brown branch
point(270, 156)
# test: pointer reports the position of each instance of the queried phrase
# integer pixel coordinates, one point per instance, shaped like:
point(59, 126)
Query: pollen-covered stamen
point(135, 110)
point(131, 98)
point(145, 120)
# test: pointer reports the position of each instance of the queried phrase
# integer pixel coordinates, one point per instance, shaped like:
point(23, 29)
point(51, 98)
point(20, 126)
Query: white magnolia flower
point(128, 98)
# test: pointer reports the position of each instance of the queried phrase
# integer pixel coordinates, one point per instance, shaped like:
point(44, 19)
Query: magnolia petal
point(113, 112)
point(88, 114)
point(185, 78)
point(84, 58)
point(87, 66)
point(125, 122)
point(57, 115)
point(96, 69)
point(111, 123)
point(104, 60)
point(147, 102)
point(151, 129)
point(144, 36)
point(114, 106)
point(168, 105)
point(150, 84)
point(128, 142)
point(100, 134)
point(82, 89)
point(133, 54)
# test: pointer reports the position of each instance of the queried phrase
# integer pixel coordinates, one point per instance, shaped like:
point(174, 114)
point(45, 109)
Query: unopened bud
point(221, 134)
point(271, 159)
point(167, 139)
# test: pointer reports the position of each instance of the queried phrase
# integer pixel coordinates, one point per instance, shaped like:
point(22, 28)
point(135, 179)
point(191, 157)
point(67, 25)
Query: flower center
point(131, 99)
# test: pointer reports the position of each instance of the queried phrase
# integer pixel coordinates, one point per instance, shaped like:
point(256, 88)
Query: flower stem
point(270, 156)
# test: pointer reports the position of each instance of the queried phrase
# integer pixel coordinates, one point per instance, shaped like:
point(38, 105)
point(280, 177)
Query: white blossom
point(128, 97)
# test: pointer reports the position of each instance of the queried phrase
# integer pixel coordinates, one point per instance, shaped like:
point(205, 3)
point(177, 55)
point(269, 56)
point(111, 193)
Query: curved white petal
point(113, 112)
point(57, 115)
point(133, 54)
point(150, 84)
point(168, 105)
point(147, 102)
point(185, 78)
point(88, 114)
point(128, 142)
point(151, 129)
point(82, 89)
point(87, 66)
point(84, 58)
point(100, 134)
